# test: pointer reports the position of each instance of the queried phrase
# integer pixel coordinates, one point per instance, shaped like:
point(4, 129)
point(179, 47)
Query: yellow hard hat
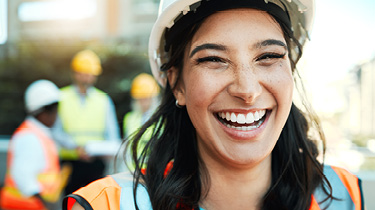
point(144, 86)
point(88, 62)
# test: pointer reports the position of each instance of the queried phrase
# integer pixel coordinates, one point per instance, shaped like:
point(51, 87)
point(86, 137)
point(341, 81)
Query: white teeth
point(256, 116)
point(262, 113)
point(242, 128)
point(233, 117)
point(227, 116)
point(249, 118)
point(241, 118)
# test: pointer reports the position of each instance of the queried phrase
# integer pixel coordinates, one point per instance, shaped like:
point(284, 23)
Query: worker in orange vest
point(34, 179)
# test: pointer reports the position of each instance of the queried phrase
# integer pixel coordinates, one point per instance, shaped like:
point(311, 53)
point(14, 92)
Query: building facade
point(361, 100)
point(68, 20)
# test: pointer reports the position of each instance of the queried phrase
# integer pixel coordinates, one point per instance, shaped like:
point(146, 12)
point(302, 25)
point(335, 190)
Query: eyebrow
point(269, 42)
point(208, 46)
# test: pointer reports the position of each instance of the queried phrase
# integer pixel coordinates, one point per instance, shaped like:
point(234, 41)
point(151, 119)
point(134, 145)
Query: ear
point(177, 85)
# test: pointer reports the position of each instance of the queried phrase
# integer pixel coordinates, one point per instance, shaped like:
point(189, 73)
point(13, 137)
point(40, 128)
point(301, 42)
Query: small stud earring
point(178, 105)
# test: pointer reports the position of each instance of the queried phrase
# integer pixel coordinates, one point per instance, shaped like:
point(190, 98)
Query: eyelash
point(209, 59)
point(262, 57)
point(270, 56)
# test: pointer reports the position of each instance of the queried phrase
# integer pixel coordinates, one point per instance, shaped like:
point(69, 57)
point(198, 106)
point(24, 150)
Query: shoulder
point(98, 91)
point(67, 92)
point(66, 88)
point(27, 146)
point(97, 194)
point(329, 168)
point(134, 115)
point(95, 92)
point(109, 193)
point(338, 175)
point(346, 189)
point(25, 138)
point(129, 115)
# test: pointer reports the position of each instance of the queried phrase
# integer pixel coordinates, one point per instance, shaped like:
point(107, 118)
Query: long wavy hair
point(296, 172)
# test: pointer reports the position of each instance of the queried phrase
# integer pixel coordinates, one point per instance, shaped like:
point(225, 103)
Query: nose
point(245, 85)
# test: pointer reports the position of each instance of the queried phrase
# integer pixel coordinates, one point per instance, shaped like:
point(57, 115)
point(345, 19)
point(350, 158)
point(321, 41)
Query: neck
point(82, 89)
point(238, 188)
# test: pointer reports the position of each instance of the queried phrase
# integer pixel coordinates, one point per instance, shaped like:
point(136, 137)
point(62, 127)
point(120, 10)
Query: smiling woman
point(248, 75)
point(227, 134)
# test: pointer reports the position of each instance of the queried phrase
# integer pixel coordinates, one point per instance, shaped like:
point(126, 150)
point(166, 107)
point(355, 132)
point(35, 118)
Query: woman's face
point(237, 86)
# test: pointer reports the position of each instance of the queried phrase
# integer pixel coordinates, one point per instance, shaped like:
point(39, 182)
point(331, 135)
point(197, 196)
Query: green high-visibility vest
point(132, 123)
point(84, 122)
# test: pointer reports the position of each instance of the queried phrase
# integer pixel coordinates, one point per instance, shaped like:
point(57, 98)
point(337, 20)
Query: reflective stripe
point(13, 191)
point(83, 122)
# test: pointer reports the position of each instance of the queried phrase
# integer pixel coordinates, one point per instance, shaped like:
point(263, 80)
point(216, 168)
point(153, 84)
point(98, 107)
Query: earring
point(178, 105)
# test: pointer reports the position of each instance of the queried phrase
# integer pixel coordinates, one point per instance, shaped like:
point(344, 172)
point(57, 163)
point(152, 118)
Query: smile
point(242, 122)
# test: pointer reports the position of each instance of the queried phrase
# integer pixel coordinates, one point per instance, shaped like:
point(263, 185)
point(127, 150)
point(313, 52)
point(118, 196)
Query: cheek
point(202, 89)
point(281, 85)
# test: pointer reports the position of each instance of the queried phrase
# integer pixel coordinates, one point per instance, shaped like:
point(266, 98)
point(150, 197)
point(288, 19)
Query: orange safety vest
point(10, 196)
point(115, 192)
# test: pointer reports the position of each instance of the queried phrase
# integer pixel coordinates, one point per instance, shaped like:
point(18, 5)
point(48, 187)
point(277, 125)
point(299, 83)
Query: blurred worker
point(87, 114)
point(144, 91)
point(33, 179)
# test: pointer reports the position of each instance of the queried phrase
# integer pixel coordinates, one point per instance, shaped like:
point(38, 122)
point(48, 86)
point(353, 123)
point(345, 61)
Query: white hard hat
point(39, 94)
point(300, 13)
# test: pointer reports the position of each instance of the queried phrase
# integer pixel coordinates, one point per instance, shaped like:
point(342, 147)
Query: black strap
point(361, 192)
point(83, 202)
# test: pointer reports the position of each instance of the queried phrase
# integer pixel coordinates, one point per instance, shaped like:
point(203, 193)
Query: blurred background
point(38, 38)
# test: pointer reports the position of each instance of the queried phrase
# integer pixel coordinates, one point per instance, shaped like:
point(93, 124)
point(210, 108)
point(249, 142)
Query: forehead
point(248, 23)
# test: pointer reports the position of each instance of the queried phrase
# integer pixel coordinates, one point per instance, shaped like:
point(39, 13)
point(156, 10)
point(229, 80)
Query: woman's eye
point(209, 59)
point(212, 62)
point(270, 56)
point(268, 59)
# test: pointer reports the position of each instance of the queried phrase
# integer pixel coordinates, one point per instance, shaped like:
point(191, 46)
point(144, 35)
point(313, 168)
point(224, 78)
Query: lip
point(248, 135)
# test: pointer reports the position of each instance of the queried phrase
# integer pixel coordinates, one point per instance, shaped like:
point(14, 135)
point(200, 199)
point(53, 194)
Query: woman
point(228, 135)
